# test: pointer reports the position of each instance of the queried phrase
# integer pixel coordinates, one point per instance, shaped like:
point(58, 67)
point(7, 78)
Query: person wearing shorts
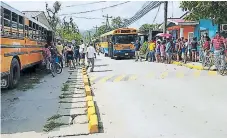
point(70, 58)
point(194, 44)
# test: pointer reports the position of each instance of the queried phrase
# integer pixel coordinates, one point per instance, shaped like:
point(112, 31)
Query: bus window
point(6, 22)
point(21, 27)
point(26, 31)
point(14, 25)
point(34, 31)
point(30, 34)
point(37, 32)
point(1, 24)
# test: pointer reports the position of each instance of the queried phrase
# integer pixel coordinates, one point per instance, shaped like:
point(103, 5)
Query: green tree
point(68, 30)
point(52, 16)
point(100, 31)
point(145, 27)
point(214, 10)
point(117, 22)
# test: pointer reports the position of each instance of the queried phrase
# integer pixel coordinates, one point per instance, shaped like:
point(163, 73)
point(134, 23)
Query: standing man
point(137, 50)
point(91, 55)
point(60, 52)
point(82, 51)
point(219, 42)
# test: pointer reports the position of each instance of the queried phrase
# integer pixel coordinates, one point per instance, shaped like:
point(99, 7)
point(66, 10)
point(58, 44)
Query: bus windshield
point(125, 39)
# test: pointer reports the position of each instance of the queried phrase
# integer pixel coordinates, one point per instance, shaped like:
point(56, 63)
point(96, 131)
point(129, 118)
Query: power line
point(89, 18)
point(144, 11)
point(96, 9)
point(85, 4)
point(140, 12)
point(156, 14)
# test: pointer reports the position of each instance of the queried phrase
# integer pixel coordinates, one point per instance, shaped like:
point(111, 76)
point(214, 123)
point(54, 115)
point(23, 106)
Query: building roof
point(182, 21)
point(32, 13)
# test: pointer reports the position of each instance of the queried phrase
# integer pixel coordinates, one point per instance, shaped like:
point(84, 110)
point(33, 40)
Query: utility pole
point(165, 16)
point(89, 35)
point(107, 21)
point(96, 29)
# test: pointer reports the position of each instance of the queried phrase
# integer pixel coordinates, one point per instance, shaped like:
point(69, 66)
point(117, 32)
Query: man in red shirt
point(219, 42)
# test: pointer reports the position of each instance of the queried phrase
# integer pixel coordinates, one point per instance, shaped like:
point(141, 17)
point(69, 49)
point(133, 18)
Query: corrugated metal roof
point(32, 13)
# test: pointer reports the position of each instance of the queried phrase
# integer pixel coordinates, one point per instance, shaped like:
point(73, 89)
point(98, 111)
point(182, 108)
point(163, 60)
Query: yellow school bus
point(22, 40)
point(119, 42)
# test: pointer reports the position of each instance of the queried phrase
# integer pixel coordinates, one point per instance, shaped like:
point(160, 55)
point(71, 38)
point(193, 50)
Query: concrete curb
point(93, 126)
point(198, 67)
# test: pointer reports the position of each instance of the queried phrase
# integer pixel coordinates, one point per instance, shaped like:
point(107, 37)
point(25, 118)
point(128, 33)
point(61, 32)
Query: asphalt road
point(134, 99)
point(152, 100)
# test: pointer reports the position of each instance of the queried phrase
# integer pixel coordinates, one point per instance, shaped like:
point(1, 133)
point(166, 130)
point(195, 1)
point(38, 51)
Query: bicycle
point(218, 61)
point(55, 67)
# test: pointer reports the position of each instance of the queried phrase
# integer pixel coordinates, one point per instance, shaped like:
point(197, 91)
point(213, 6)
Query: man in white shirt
point(91, 55)
point(82, 51)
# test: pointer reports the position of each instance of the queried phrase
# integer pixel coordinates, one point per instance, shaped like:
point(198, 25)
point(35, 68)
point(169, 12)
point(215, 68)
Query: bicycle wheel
point(53, 69)
point(58, 68)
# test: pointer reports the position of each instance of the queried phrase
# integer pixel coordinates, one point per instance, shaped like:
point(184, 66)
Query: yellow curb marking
point(90, 104)
point(87, 90)
point(164, 74)
point(105, 79)
point(212, 73)
point(119, 78)
point(133, 77)
point(197, 73)
point(89, 98)
point(90, 111)
point(93, 124)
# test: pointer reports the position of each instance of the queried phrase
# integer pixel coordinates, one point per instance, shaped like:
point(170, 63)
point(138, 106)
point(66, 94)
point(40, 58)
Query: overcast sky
point(125, 11)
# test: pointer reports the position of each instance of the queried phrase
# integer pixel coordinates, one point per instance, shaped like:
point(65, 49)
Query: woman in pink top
point(46, 55)
point(162, 50)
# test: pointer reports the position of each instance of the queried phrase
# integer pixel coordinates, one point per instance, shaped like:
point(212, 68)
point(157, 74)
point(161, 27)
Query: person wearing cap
point(137, 50)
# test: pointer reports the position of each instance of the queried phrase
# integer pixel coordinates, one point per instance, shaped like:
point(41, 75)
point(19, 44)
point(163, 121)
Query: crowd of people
point(70, 54)
point(165, 50)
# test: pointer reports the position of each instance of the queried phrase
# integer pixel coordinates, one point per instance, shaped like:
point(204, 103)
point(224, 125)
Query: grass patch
point(52, 125)
point(54, 117)
point(65, 87)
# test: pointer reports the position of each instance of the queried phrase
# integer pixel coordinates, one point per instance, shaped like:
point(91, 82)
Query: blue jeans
point(152, 56)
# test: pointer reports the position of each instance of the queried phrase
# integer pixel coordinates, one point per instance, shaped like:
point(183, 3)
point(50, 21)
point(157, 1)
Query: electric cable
point(85, 4)
point(96, 9)
point(142, 13)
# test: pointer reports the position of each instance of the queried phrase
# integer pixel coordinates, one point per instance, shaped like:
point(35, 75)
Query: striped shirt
point(218, 42)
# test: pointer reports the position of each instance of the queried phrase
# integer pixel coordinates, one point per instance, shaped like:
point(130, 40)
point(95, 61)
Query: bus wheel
point(106, 54)
point(14, 75)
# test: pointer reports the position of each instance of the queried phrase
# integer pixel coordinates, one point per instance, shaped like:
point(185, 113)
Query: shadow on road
point(27, 107)
point(104, 65)
point(102, 70)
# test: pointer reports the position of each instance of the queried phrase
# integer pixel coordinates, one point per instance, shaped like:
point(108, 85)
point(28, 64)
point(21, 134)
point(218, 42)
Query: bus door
point(110, 46)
